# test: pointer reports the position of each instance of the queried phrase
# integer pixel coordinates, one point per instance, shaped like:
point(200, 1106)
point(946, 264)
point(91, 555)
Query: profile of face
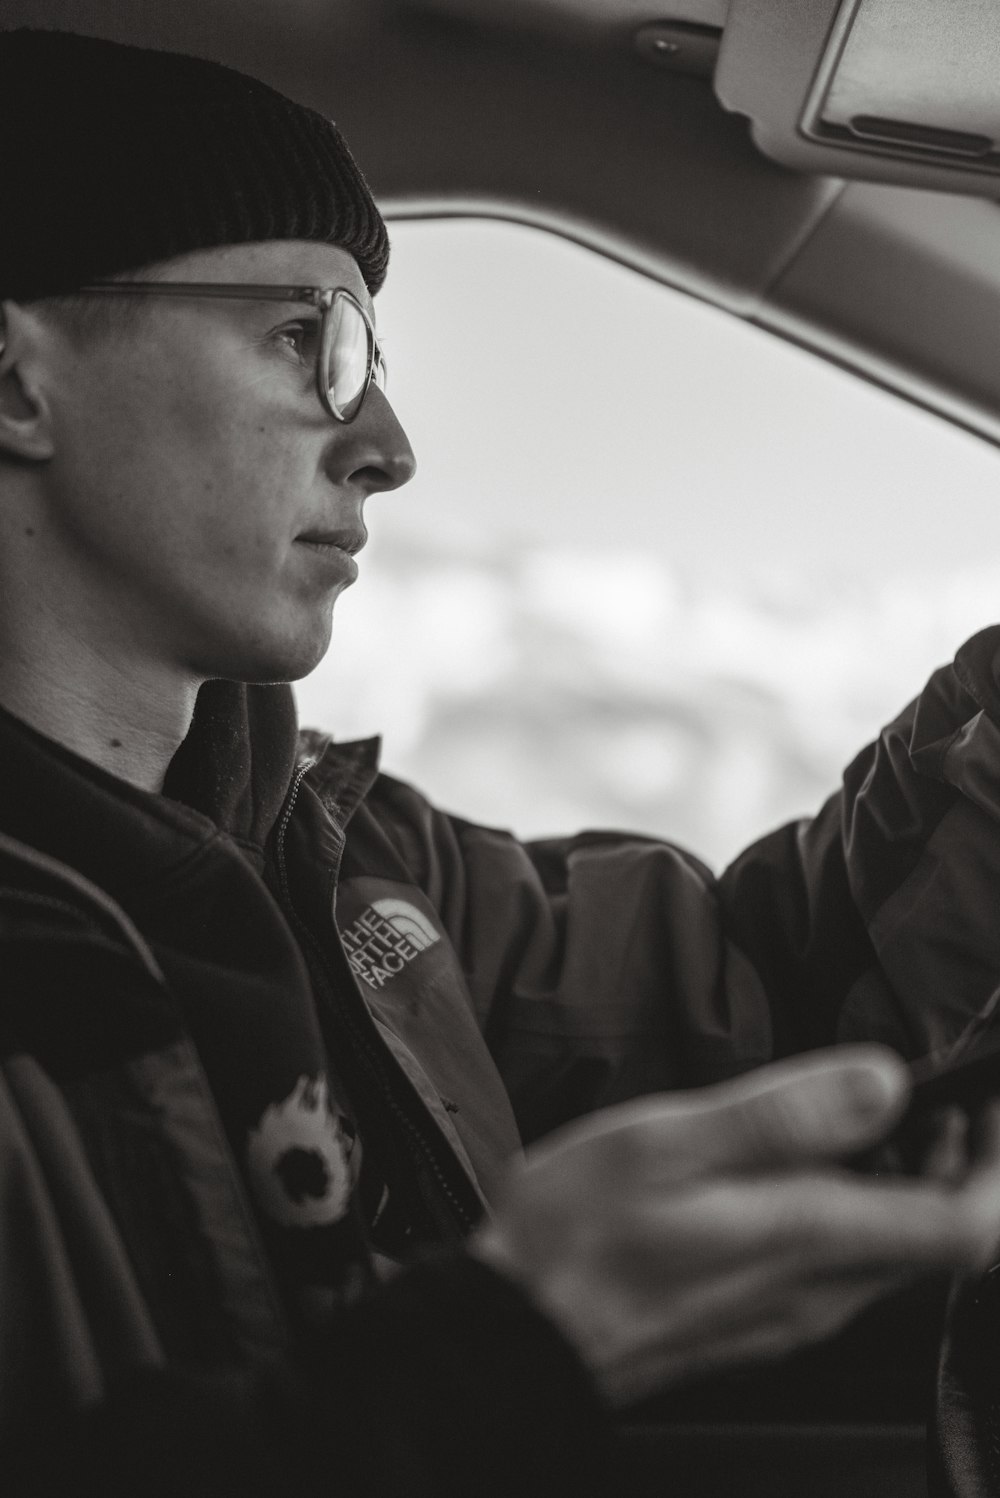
point(191, 488)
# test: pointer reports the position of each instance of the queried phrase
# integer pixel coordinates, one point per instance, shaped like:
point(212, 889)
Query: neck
point(128, 721)
point(80, 661)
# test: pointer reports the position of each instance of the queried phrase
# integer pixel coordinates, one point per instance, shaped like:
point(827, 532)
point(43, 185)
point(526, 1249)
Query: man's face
point(193, 460)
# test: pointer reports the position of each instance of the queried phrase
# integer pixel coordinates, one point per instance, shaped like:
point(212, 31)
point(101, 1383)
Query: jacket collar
point(233, 771)
point(340, 774)
point(238, 758)
point(242, 752)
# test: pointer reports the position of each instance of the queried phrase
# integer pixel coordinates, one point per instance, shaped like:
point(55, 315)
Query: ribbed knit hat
point(113, 157)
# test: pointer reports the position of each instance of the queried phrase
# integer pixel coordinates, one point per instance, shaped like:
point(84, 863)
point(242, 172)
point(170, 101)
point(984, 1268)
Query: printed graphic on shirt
point(299, 1157)
point(386, 936)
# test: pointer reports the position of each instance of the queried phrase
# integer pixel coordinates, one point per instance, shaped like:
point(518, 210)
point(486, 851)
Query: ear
point(25, 418)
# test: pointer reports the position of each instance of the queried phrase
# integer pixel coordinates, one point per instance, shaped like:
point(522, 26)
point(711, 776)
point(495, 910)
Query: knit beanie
point(113, 157)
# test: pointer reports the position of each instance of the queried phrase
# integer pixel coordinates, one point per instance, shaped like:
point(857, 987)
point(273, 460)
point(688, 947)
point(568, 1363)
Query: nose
point(373, 452)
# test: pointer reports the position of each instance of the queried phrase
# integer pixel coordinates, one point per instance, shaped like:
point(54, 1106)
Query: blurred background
point(658, 570)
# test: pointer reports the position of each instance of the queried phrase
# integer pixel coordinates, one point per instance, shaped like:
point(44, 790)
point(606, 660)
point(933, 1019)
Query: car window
point(658, 569)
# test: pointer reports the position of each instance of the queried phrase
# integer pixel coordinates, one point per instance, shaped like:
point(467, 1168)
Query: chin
point(274, 672)
point(251, 643)
point(262, 661)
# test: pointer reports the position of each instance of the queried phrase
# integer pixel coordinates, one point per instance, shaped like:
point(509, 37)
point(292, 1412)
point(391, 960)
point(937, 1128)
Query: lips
point(350, 541)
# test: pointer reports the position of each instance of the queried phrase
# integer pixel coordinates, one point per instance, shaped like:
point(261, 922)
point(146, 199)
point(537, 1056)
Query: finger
point(724, 1342)
point(916, 1226)
point(789, 1229)
point(979, 1194)
point(818, 1107)
point(984, 1145)
point(946, 1154)
point(671, 1332)
point(697, 1299)
point(824, 1222)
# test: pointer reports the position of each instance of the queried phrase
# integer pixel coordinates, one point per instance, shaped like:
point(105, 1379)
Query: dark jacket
point(145, 1344)
point(483, 989)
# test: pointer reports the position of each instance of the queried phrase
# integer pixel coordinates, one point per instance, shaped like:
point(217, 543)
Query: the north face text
point(384, 938)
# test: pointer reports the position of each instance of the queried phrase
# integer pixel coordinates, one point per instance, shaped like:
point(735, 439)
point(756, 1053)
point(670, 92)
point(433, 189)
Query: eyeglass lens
point(349, 354)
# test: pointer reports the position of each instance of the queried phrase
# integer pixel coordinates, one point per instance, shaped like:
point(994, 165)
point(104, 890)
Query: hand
point(684, 1233)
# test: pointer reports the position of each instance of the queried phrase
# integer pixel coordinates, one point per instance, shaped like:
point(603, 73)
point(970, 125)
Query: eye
point(301, 337)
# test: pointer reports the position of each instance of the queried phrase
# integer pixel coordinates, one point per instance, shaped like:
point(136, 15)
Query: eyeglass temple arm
point(316, 296)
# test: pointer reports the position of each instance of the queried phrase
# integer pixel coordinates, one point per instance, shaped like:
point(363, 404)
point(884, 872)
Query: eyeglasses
point(348, 355)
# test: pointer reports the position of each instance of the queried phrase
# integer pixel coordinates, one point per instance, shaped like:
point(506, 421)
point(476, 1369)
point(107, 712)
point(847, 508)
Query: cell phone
point(968, 1083)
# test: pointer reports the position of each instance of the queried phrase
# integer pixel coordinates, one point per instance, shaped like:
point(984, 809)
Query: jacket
point(145, 1344)
point(493, 990)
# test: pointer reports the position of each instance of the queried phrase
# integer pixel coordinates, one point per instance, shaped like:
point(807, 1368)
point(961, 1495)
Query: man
point(273, 1027)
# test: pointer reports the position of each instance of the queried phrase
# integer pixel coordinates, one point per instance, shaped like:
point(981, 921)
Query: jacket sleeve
point(443, 1384)
point(878, 918)
point(596, 965)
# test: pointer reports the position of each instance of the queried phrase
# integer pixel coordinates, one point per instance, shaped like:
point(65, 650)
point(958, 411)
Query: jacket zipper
point(366, 1051)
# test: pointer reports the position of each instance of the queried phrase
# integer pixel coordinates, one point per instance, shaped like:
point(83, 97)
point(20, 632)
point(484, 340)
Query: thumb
point(817, 1107)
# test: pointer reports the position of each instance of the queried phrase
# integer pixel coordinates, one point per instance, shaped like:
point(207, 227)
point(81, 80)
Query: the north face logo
point(384, 938)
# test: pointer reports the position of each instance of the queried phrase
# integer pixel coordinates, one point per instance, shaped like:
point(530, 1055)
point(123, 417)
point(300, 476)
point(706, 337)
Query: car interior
point(826, 170)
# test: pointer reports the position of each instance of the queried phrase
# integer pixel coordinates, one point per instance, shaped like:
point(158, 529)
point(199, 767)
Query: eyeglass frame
point(323, 298)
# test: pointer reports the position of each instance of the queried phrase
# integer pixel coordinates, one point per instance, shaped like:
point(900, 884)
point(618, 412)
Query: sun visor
point(904, 91)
